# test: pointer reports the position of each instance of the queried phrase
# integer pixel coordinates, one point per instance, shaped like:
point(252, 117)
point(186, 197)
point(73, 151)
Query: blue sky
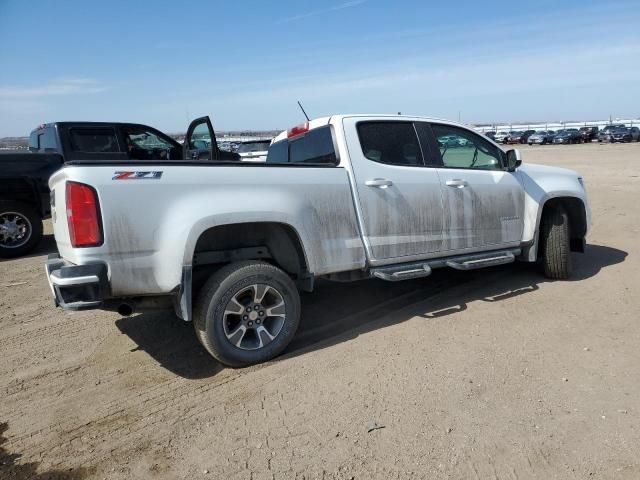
point(245, 63)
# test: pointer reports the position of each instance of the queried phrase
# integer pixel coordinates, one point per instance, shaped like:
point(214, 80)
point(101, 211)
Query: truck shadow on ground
point(337, 312)
point(11, 469)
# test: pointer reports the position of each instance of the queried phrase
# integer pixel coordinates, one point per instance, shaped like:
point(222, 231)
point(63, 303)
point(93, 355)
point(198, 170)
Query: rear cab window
point(94, 140)
point(316, 147)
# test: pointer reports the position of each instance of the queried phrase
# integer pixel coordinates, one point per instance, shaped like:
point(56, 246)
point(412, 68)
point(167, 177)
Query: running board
point(489, 261)
point(395, 273)
point(406, 271)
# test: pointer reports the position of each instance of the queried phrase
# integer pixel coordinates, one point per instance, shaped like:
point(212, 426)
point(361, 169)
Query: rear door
point(483, 203)
point(399, 198)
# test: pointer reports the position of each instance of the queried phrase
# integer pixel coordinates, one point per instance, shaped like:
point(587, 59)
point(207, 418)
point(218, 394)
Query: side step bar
point(506, 257)
point(406, 271)
point(402, 272)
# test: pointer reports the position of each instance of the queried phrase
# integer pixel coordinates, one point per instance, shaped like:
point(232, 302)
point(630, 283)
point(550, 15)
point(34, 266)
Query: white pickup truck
point(229, 245)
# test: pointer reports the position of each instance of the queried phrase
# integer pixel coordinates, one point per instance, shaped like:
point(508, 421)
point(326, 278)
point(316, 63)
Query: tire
point(233, 287)
point(24, 217)
point(555, 244)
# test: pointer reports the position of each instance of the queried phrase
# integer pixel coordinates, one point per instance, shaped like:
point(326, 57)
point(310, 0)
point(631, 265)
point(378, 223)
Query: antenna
point(305, 113)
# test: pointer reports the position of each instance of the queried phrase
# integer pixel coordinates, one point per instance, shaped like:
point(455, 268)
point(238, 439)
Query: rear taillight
point(82, 215)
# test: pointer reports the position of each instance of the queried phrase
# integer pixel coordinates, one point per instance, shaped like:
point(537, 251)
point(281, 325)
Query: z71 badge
point(136, 175)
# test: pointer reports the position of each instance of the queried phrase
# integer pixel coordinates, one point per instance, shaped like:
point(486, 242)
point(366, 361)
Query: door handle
point(379, 183)
point(457, 183)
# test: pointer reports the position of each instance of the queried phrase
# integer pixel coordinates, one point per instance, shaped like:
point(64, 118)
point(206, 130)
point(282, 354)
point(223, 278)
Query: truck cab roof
point(322, 121)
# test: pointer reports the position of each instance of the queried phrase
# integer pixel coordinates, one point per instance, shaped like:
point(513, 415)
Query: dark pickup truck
point(24, 189)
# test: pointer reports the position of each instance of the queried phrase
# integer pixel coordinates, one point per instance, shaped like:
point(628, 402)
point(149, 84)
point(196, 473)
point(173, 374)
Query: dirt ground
point(497, 373)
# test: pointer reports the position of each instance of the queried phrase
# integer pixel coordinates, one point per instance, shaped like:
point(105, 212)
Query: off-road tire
point(208, 316)
point(35, 234)
point(555, 244)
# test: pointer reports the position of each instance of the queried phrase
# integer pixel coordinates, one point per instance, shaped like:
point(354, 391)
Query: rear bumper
point(77, 287)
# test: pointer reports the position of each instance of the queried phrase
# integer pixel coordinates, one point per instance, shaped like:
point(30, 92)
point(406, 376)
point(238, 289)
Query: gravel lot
point(497, 373)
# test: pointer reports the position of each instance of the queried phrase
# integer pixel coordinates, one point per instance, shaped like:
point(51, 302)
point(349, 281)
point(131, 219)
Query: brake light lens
point(298, 130)
point(82, 215)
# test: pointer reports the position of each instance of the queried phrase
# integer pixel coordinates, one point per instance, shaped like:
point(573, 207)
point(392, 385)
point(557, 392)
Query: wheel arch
point(21, 190)
point(218, 245)
point(577, 212)
point(282, 241)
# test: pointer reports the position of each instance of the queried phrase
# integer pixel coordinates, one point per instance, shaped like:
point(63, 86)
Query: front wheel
point(20, 229)
point(247, 313)
point(555, 244)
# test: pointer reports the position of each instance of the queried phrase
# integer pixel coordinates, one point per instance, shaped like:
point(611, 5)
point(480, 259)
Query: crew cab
point(347, 197)
point(24, 191)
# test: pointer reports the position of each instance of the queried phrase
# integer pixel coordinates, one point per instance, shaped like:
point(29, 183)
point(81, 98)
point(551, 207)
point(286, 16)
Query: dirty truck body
point(229, 245)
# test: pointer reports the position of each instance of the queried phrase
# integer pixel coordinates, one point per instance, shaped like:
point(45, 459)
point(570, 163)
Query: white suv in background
point(254, 150)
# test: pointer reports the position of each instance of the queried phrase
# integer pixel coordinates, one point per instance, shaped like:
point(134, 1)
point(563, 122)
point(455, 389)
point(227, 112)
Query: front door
point(399, 197)
point(200, 141)
point(483, 203)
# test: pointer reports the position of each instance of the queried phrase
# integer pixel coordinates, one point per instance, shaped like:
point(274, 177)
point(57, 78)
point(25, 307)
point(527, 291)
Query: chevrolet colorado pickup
point(230, 245)
point(24, 176)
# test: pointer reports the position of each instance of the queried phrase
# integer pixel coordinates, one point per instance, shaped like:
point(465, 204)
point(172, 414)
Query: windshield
point(248, 147)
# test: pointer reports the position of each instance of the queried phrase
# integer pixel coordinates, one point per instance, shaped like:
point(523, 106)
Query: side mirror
point(514, 159)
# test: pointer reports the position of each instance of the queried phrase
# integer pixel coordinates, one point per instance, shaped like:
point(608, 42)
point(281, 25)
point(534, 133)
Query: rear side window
point(315, 147)
point(48, 139)
point(33, 141)
point(94, 140)
point(278, 152)
point(393, 143)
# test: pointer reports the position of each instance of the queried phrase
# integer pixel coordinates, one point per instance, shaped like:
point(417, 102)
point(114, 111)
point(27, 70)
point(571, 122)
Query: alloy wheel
point(254, 316)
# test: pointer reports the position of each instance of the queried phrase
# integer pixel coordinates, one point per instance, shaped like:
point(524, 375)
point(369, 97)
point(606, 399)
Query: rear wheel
point(247, 313)
point(555, 244)
point(20, 229)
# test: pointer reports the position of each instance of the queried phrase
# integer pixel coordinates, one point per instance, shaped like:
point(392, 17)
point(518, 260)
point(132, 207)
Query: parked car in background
point(513, 137)
point(635, 134)
point(230, 246)
point(500, 136)
point(568, 136)
point(254, 151)
point(541, 137)
point(491, 134)
point(525, 135)
point(603, 136)
point(589, 133)
point(621, 135)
